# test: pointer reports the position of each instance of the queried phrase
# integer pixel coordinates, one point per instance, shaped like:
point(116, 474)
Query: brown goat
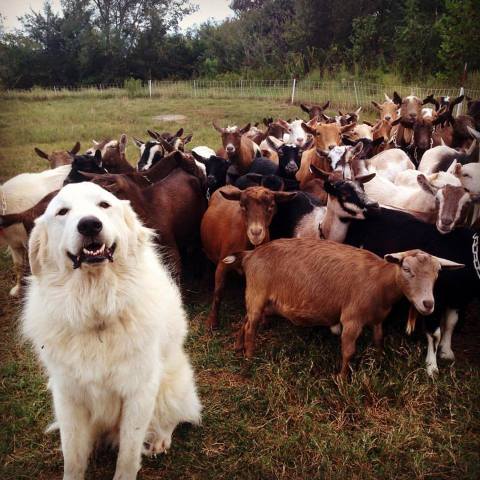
point(113, 154)
point(174, 207)
point(314, 110)
point(235, 220)
point(313, 282)
point(327, 136)
point(59, 157)
point(239, 149)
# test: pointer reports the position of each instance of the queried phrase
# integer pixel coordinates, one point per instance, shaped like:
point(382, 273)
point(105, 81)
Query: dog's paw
point(159, 444)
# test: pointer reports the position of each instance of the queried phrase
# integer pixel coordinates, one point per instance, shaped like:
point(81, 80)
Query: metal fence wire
point(343, 95)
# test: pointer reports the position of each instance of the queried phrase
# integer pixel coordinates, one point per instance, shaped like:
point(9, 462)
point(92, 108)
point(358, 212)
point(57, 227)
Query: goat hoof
point(432, 370)
point(447, 355)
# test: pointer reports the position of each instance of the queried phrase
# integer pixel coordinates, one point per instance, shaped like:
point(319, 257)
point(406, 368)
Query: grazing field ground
point(283, 414)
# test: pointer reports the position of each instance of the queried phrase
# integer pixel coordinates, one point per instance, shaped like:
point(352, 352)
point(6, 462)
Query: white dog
point(108, 324)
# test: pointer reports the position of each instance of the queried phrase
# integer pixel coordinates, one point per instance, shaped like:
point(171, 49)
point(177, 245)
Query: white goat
point(390, 163)
point(21, 193)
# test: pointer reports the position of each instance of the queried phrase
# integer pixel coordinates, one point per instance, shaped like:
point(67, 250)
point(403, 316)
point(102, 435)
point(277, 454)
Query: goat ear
point(179, 133)
point(75, 149)
point(387, 98)
point(309, 143)
point(376, 105)
point(305, 107)
point(166, 145)
point(348, 127)
point(281, 197)
point(425, 184)
point(41, 154)
point(368, 123)
point(327, 104)
point(122, 143)
point(340, 113)
point(397, 99)
point(317, 172)
point(358, 110)
point(98, 157)
point(153, 134)
point(137, 142)
point(365, 178)
point(95, 143)
point(245, 129)
point(455, 168)
point(188, 139)
point(309, 129)
point(199, 158)
point(448, 264)
point(357, 149)
point(275, 143)
point(283, 124)
point(37, 247)
point(395, 257)
point(378, 141)
point(231, 195)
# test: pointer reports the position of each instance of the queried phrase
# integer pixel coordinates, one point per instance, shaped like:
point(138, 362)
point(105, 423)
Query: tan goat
point(313, 282)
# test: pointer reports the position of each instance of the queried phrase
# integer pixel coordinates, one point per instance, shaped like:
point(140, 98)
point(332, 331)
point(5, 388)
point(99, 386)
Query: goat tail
point(412, 319)
point(235, 260)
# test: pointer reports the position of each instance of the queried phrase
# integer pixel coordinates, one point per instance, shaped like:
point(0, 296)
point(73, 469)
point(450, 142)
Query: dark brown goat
point(113, 155)
point(235, 220)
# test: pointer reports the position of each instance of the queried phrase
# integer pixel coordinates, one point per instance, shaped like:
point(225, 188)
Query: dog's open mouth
point(92, 252)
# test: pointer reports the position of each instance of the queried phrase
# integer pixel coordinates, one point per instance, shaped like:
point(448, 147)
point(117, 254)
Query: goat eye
point(63, 211)
point(406, 269)
point(467, 175)
point(104, 205)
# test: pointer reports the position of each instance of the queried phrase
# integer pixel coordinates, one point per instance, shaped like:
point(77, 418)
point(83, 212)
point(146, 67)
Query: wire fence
point(343, 95)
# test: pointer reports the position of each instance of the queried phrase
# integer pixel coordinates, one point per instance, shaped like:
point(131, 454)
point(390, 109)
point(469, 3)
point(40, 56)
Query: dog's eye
point(104, 205)
point(63, 211)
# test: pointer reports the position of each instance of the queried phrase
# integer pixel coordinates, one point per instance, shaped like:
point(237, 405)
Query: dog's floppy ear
point(141, 233)
point(37, 247)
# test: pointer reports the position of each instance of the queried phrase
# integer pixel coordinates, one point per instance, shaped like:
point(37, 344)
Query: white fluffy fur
point(110, 335)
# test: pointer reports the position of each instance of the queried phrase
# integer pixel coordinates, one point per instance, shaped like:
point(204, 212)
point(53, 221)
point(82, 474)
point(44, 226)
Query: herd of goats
point(332, 220)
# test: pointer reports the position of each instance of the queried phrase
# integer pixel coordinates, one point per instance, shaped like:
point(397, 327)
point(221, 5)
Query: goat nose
point(388, 117)
point(89, 226)
point(447, 221)
point(413, 115)
point(256, 231)
point(331, 147)
point(428, 304)
point(299, 140)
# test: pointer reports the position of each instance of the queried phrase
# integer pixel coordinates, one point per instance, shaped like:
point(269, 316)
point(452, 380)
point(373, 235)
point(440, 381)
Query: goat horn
point(387, 98)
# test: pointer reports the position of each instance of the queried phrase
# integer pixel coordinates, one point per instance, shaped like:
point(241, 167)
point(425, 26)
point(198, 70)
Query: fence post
point(241, 87)
point(459, 107)
point(150, 88)
point(194, 88)
point(293, 89)
point(356, 93)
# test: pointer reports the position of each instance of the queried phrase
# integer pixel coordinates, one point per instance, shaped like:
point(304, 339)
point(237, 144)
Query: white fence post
point(293, 89)
point(356, 93)
point(150, 87)
point(194, 88)
point(460, 105)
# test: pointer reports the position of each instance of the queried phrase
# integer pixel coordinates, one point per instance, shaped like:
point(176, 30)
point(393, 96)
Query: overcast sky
point(217, 9)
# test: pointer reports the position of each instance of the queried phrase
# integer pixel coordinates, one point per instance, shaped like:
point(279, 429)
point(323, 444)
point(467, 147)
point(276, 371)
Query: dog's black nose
point(89, 226)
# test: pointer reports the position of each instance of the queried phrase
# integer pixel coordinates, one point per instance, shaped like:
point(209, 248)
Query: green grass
point(283, 414)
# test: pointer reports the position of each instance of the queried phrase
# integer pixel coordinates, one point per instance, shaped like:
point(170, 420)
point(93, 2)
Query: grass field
point(283, 414)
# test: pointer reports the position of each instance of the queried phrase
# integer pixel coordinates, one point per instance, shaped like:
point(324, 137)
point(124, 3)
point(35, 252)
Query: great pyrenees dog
point(107, 322)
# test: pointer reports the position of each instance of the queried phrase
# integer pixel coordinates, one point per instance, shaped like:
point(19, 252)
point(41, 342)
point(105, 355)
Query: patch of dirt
point(170, 118)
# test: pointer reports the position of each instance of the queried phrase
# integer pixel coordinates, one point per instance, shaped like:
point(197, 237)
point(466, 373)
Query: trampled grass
point(283, 414)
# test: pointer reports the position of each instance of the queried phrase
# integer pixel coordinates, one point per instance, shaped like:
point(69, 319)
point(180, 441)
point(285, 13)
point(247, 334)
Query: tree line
point(109, 41)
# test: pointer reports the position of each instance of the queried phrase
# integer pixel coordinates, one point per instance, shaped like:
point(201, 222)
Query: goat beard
point(411, 320)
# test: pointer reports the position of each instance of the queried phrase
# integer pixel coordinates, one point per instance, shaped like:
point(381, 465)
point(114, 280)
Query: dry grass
point(282, 414)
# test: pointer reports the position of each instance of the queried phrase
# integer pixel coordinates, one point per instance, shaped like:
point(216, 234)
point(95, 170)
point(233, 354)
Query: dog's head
point(85, 227)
